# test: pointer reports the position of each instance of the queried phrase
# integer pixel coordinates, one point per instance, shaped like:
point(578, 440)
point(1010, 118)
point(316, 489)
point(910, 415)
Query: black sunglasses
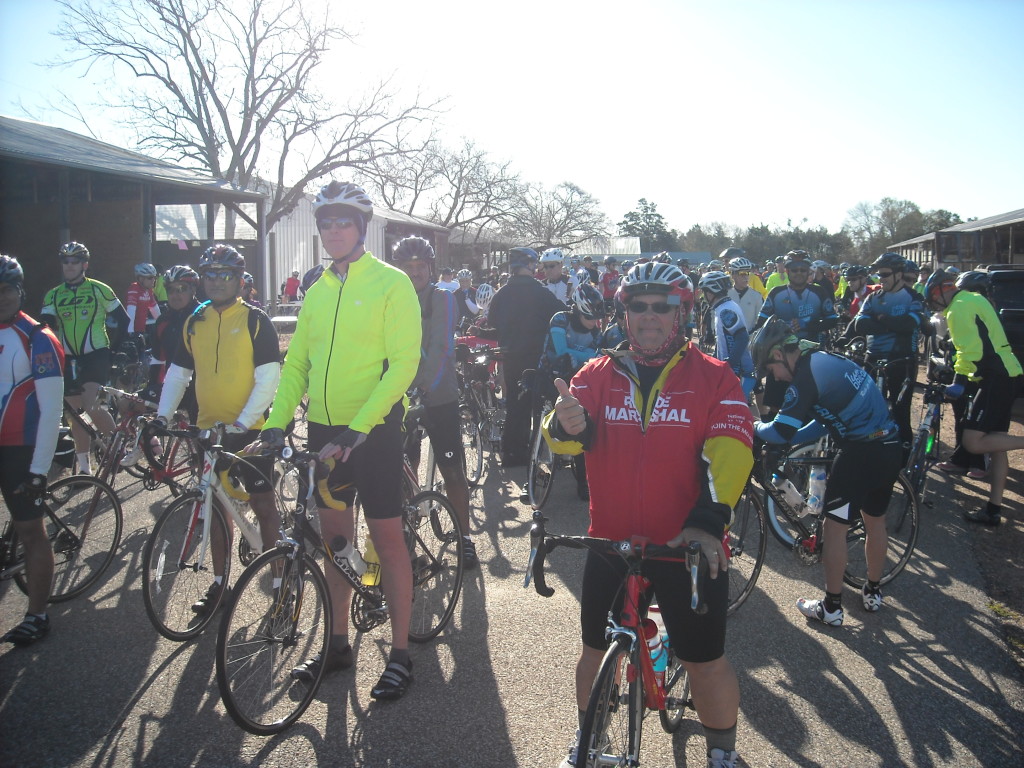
point(638, 307)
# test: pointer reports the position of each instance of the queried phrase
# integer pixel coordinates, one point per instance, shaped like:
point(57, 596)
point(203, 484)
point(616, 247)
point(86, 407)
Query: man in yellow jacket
point(355, 351)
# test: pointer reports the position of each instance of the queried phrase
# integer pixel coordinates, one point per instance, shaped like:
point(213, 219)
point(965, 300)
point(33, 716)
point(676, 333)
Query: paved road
point(926, 682)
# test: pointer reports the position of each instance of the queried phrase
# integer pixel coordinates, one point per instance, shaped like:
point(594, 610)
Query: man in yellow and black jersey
point(983, 355)
point(232, 348)
point(80, 310)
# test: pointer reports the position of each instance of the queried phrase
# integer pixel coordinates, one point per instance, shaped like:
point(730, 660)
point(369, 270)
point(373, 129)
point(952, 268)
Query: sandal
point(32, 628)
point(393, 682)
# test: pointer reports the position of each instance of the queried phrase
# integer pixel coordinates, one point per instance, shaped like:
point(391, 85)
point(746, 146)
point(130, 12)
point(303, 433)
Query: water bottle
point(659, 656)
point(792, 496)
point(372, 576)
point(815, 491)
point(347, 558)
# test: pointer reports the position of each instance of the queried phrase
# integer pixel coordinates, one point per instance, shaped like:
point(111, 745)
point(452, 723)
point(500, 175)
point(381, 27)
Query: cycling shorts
point(694, 638)
point(90, 367)
point(862, 479)
point(257, 472)
point(15, 461)
point(992, 406)
point(445, 433)
point(374, 469)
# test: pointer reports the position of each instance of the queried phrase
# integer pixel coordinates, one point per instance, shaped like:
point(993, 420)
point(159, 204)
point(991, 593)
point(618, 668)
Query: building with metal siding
point(993, 240)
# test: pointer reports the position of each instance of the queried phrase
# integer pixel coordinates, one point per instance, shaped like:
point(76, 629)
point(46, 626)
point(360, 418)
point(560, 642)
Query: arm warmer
point(50, 396)
point(266, 378)
point(175, 383)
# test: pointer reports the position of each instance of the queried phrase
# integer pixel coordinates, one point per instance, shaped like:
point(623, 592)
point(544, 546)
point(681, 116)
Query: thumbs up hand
point(571, 415)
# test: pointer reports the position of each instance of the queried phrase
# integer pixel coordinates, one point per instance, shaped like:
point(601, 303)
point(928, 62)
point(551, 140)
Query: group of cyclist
point(612, 348)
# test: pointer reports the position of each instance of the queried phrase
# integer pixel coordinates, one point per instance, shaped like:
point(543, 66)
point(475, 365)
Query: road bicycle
point(544, 463)
point(627, 686)
point(925, 447)
point(482, 408)
point(279, 613)
point(83, 521)
point(798, 527)
point(178, 558)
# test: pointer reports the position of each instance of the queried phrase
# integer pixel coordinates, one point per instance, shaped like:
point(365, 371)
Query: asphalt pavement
point(925, 682)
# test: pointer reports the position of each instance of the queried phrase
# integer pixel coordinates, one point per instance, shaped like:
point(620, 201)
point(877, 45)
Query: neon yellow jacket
point(356, 348)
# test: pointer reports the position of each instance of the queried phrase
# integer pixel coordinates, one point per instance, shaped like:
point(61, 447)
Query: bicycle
point(177, 560)
point(83, 523)
point(544, 463)
point(626, 687)
point(799, 528)
point(924, 449)
point(268, 630)
point(482, 411)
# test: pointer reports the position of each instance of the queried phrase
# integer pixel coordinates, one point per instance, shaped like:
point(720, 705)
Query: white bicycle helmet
point(716, 282)
point(145, 269)
point(343, 194)
point(653, 277)
point(588, 302)
point(552, 256)
point(484, 294)
point(464, 274)
point(740, 264)
point(582, 276)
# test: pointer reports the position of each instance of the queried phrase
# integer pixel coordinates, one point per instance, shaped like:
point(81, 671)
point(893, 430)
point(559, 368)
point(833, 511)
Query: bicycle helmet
point(145, 269)
point(588, 302)
point(582, 276)
point(740, 263)
point(413, 248)
point(627, 265)
point(221, 256)
point(521, 258)
point(714, 265)
point(11, 272)
point(773, 334)
point(843, 266)
point(552, 256)
point(73, 250)
point(819, 264)
point(911, 267)
point(856, 270)
point(889, 260)
point(464, 274)
point(975, 281)
point(951, 270)
point(484, 294)
point(311, 277)
point(248, 280)
point(662, 258)
point(610, 261)
point(715, 282)
point(181, 274)
point(938, 279)
point(344, 196)
point(797, 256)
point(653, 277)
point(730, 253)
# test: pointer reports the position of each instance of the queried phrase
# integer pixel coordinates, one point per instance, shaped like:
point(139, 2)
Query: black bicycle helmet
point(798, 256)
point(938, 278)
point(773, 334)
point(73, 250)
point(589, 302)
point(413, 249)
point(975, 281)
point(221, 256)
point(11, 272)
point(889, 260)
point(855, 271)
point(911, 267)
point(182, 273)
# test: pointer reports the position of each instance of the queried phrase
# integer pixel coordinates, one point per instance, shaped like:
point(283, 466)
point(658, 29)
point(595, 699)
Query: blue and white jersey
point(836, 392)
point(891, 323)
point(732, 337)
point(813, 309)
point(569, 345)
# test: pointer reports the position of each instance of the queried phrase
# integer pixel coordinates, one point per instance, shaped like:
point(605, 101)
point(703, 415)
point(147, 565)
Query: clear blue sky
point(733, 112)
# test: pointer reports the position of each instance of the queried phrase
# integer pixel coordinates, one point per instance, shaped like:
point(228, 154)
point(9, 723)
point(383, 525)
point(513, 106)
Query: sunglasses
point(883, 275)
point(742, 274)
point(552, 266)
point(72, 261)
point(341, 222)
point(179, 289)
point(798, 269)
point(638, 307)
point(226, 276)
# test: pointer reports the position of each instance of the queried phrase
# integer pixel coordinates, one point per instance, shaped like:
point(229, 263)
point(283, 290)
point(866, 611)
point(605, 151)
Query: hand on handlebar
point(709, 545)
point(571, 415)
point(342, 445)
point(269, 440)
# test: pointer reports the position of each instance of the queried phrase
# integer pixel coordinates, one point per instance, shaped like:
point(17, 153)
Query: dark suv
point(1008, 297)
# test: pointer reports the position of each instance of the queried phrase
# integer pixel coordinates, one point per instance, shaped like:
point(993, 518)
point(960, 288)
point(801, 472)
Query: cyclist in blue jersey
point(841, 397)
point(890, 319)
point(731, 337)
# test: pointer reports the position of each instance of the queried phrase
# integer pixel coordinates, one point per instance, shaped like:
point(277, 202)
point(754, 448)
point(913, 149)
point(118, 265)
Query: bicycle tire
point(434, 537)
point(84, 536)
point(612, 726)
point(170, 587)
point(677, 688)
point(472, 445)
point(259, 641)
point(542, 468)
point(902, 522)
point(748, 543)
point(799, 475)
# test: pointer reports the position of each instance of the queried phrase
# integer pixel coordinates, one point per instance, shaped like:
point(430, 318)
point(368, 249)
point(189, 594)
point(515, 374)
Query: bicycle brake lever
point(693, 562)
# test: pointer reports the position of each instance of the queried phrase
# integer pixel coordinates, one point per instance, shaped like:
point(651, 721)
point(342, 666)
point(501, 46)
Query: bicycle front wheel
point(177, 569)
point(265, 633)
point(901, 524)
point(542, 471)
point(677, 695)
point(84, 528)
point(611, 729)
point(747, 542)
point(472, 445)
point(434, 537)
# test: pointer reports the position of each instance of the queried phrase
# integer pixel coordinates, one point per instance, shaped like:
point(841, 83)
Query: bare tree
point(564, 216)
point(226, 86)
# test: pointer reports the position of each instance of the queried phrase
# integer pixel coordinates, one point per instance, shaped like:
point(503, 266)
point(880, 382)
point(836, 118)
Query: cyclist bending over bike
point(843, 399)
point(659, 398)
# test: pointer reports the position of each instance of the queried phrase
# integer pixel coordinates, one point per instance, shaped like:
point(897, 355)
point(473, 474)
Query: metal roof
point(32, 142)
point(989, 222)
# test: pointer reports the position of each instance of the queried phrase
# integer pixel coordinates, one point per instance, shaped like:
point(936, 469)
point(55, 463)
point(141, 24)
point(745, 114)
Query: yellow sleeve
point(564, 447)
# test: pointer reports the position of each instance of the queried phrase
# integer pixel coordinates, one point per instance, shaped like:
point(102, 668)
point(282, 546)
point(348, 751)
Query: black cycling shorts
point(92, 366)
point(374, 469)
point(992, 406)
point(15, 461)
point(445, 433)
point(694, 638)
point(257, 473)
point(862, 479)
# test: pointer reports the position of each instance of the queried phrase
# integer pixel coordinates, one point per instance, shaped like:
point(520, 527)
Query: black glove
point(33, 486)
point(155, 427)
point(272, 438)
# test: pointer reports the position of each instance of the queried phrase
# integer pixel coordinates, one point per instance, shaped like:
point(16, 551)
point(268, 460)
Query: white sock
point(83, 462)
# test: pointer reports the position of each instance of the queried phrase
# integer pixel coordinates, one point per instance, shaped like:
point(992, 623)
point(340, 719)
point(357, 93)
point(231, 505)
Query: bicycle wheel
point(542, 471)
point(611, 729)
point(917, 464)
point(677, 693)
point(267, 632)
point(84, 527)
point(901, 523)
point(799, 474)
point(173, 578)
point(435, 546)
point(748, 540)
point(472, 445)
